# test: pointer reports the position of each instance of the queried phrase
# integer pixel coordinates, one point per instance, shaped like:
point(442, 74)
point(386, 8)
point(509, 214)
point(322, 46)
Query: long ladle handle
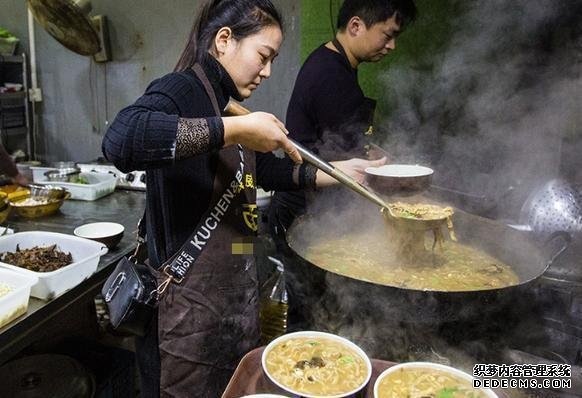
point(235, 109)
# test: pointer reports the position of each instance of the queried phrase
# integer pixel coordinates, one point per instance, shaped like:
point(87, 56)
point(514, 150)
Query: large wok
point(351, 303)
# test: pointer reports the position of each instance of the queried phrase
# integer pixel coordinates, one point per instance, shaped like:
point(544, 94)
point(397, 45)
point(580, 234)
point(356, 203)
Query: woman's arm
point(282, 174)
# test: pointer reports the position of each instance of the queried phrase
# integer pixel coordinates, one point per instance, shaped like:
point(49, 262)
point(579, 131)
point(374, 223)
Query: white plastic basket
point(85, 253)
point(100, 184)
point(15, 303)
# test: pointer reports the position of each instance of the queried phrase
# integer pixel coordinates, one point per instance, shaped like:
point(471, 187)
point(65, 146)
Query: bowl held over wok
point(392, 178)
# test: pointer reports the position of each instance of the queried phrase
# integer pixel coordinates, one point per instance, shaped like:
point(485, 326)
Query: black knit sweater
point(143, 137)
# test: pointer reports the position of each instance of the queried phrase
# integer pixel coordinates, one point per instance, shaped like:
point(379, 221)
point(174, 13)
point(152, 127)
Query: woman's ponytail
point(243, 17)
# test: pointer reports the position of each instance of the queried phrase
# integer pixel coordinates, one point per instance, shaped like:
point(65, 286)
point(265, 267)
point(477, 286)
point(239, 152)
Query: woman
point(210, 320)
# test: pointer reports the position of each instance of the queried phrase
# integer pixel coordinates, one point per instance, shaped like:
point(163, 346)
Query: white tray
point(15, 303)
point(85, 252)
point(100, 184)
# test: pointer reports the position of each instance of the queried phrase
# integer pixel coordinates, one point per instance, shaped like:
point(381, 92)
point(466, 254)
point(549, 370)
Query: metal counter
point(124, 207)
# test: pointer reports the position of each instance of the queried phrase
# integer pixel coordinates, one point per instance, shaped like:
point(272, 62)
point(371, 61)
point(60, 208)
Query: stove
point(135, 180)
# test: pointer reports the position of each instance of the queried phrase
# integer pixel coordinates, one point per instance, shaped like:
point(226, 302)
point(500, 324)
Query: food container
point(98, 185)
point(429, 366)
point(393, 178)
point(318, 335)
point(85, 255)
point(37, 210)
point(14, 303)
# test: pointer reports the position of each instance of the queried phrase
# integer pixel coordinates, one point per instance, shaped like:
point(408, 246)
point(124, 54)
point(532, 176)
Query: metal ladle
point(235, 109)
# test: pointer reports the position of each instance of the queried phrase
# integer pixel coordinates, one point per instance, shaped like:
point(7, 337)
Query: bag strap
point(176, 267)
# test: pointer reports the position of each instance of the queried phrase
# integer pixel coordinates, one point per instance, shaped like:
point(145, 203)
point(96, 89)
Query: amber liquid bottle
point(273, 305)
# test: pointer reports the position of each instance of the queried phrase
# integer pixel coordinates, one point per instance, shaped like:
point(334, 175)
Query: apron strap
point(342, 51)
point(176, 267)
point(207, 87)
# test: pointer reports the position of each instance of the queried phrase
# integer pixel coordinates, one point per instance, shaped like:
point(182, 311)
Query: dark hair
point(243, 17)
point(374, 11)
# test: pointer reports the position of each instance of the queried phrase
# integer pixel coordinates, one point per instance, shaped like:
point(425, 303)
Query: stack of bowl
point(65, 172)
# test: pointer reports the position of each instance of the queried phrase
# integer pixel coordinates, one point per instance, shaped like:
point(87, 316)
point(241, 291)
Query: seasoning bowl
point(47, 191)
point(43, 207)
point(108, 233)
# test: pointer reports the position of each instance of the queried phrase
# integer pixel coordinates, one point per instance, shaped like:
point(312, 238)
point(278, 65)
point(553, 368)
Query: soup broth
point(452, 267)
point(316, 366)
point(426, 383)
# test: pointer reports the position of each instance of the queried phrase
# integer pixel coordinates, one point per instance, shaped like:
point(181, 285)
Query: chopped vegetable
point(346, 359)
point(448, 392)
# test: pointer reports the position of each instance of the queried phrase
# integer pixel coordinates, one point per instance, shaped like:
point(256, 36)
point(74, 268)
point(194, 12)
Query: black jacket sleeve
point(143, 135)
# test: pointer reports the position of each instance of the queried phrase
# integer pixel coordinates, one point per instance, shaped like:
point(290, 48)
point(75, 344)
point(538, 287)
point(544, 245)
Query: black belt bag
point(131, 294)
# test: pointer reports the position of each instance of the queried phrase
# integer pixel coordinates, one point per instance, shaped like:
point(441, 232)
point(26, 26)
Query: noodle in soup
point(426, 383)
point(369, 257)
point(316, 366)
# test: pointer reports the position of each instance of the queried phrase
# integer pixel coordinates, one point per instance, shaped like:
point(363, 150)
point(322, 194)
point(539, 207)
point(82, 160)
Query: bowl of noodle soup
point(316, 364)
point(426, 379)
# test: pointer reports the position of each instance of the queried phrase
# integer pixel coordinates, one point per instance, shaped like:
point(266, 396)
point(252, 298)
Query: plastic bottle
point(273, 305)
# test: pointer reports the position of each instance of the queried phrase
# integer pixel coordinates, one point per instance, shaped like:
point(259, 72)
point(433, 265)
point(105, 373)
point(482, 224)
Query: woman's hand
point(354, 168)
point(20, 180)
point(259, 131)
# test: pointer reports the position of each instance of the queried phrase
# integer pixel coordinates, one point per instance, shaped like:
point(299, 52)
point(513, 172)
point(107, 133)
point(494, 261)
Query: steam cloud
point(491, 112)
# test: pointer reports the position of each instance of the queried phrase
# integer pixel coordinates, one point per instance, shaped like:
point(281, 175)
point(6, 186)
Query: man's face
point(376, 41)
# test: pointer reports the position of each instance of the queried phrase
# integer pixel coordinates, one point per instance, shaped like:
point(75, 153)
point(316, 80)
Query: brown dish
point(38, 259)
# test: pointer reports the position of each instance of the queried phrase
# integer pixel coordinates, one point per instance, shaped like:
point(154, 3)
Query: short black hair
point(374, 11)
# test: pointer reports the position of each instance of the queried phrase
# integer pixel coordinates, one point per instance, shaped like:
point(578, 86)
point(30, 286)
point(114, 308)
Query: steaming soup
point(426, 383)
point(316, 366)
point(453, 267)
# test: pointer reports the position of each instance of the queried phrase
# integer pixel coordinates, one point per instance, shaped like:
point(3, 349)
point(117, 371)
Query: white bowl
point(108, 233)
point(423, 365)
point(400, 170)
point(314, 334)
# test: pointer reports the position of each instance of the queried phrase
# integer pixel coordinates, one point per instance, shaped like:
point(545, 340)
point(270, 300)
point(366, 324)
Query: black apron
point(210, 321)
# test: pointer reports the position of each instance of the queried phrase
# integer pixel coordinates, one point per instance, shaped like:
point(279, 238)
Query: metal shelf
point(14, 59)
point(12, 96)
point(15, 112)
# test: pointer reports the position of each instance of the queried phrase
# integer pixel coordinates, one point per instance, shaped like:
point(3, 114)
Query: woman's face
point(248, 61)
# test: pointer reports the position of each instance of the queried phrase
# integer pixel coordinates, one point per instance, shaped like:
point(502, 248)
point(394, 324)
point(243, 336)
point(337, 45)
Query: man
point(329, 114)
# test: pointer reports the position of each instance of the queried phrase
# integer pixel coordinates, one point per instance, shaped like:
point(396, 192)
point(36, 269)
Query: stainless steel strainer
point(555, 206)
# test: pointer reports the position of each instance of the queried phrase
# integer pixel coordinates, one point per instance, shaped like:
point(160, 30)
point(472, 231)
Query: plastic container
point(15, 303)
point(273, 305)
point(100, 184)
point(85, 253)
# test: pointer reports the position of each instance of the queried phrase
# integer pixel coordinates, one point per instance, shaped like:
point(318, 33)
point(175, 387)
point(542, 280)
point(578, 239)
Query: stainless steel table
point(124, 207)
